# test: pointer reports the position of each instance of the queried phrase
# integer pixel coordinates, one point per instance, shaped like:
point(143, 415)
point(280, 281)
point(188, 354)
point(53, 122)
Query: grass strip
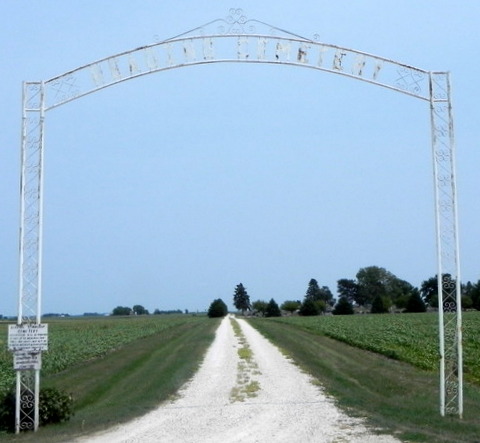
point(391, 395)
point(247, 368)
point(129, 382)
point(72, 341)
point(412, 338)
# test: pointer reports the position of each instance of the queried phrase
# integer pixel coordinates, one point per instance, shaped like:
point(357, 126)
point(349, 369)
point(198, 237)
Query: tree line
point(140, 310)
point(374, 290)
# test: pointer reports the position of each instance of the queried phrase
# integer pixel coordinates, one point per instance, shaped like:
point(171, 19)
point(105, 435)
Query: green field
point(120, 367)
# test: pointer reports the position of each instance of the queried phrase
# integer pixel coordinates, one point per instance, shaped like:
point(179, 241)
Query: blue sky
point(170, 189)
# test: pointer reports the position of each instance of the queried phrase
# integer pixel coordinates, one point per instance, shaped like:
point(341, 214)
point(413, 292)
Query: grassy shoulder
point(390, 394)
point(129, 382)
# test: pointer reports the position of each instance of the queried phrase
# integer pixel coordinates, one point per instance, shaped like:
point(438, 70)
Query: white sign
point(27, 360)
point(28, 338)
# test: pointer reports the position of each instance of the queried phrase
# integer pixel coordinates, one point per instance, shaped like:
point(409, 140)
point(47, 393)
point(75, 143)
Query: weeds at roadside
point(247, 367)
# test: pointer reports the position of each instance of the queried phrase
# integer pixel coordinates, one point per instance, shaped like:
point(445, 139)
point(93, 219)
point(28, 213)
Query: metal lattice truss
point(449, 296)
point(237, 39)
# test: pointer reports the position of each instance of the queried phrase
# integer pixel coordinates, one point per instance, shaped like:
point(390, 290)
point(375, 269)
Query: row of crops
point(412, 338)
point(74, 340)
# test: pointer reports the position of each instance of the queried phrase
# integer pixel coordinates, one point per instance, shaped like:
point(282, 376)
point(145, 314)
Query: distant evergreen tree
point(241, 299)
point(316, 293)
point(272, 309)
point(343, 307)
point(217, 309)
point(313, 290)
point(415, 303)
point(309, 307)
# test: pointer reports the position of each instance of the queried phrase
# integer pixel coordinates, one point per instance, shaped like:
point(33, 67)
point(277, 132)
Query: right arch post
point(448, 261)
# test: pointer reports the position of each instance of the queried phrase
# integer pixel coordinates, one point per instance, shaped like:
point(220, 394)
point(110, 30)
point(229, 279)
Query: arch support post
point(448, 261)
point(27, 359)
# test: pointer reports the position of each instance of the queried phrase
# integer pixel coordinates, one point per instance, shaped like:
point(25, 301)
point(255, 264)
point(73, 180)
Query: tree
point(260, 306)
point(317, 293)
point(429, 291)
point(167, 312)
point(272, 309)
point(121, 310)
point(415, 302)
point(309, 307)
point(467, 302)
point(475, 295)
point(472, 291)
point(380, 304)
point(343, 307)
point(241, 299)
point(291, 305)
point(348, 289)
point(316, 299)
point(372, 283)
point(139, 310)
point(313, 290)
point(326, 295)
point(400, 292)
point(217, 308)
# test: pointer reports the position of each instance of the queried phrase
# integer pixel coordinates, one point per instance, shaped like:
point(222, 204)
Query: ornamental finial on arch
point(236, 16)
point(236, 23)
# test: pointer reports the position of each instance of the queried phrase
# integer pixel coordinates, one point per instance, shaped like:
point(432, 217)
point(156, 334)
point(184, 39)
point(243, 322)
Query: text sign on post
point(28, 338)
point(27, 360)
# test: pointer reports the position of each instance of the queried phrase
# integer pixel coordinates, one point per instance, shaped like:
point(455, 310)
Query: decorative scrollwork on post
point(26, 420)
point(33, 95)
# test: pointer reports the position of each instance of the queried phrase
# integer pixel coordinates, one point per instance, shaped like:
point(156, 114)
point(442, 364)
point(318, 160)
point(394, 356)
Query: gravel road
point(245, 391)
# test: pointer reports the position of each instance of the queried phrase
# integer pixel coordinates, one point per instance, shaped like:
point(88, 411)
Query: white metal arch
point(239, 40)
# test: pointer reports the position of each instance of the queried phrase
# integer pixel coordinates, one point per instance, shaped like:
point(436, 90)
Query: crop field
point(412, 338)
point(98, 359)
point(76, 340)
